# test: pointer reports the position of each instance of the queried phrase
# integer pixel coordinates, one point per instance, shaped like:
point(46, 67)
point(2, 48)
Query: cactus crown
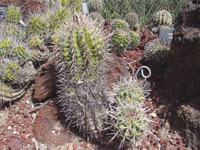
point(83, 44)
point(13, 15)
point(95, 5)
point(132, 20)
point(163, 17)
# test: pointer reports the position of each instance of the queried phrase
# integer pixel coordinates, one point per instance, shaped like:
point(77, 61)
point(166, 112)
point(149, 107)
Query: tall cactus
point(81, 46)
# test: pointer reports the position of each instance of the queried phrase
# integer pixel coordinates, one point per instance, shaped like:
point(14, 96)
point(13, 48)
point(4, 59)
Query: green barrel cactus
point(119, 24)
point(124, 39)
point(156, 51)
point(95, 6)
point(128, 113)
point(75, 5)
point(162, 18)
point(13, 15)
point(132, 19)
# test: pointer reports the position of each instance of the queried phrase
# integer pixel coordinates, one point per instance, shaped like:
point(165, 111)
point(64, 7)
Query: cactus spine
point(13, 15)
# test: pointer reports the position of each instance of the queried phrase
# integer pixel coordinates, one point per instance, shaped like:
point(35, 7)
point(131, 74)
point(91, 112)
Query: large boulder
point(182, 77)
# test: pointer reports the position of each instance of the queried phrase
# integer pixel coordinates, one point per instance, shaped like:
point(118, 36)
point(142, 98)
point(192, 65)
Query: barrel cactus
point(75, 5)
point(95, 6)
point(123, 39)
point(128, 113)
point(132, 19)
point(163, 18)
point(96, 16)
point(119, 24)
point(13, 15)
point(156, 51)
point(81, 46)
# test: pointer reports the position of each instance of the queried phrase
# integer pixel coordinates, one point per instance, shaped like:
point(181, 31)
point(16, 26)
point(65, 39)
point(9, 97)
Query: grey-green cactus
point(13, 15)
point(95, 6)
point(163, 18)
point(132, 19)
point(128, 113)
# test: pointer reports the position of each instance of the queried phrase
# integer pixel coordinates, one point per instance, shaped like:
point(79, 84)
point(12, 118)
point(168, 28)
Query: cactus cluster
point(13, 15)
point(132, 20)
point(95, 6)
point(128, 113)
point(156, 51)
point(163, 18)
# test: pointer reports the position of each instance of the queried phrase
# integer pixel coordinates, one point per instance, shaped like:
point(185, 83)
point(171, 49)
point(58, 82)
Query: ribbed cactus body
point(95, 5)
point(81, 46)
point(163, 17)
point(119, 24)
point(128, 112)
point(132, 19)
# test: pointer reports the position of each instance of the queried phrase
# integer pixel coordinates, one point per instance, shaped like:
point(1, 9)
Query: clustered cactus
point(156, 51)
point(95, 6)
point(163, 18)
point(132, 19)
point(123, 37)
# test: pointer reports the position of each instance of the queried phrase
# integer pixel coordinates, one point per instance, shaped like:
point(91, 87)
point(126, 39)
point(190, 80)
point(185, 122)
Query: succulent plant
point(95, 6)
point(123, 39)
point(132, 20)
point(156, 51)
point(119, 24)
point(96, 16)
point(75, 5)
point(13, 15)
point(128, 113)
point(163, 18)
point(81, 46)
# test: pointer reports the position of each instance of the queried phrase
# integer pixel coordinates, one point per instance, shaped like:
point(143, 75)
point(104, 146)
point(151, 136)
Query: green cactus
point(96, 16)
point(81, 46)
point(119, 24)
point(13, 15)
point(162, 18)
point(156, 51)
point(10, 48)
point(95, 6)
point(75, 5)
point(123, 39)
point(127, 111)
point(132, 19)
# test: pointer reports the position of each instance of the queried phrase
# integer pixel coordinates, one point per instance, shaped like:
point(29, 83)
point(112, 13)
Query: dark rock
point(47, 128)
point(181, 79)
point(45, 86)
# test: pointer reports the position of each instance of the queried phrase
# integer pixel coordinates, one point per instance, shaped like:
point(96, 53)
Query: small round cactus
point(95, 6)
point(127, 111)
point(163, 18)
point(75, 5)
point(156, 51)
point(132, 19)
point(13, 15)
point(123, 39)
point(119, 24)
point(96, 16)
